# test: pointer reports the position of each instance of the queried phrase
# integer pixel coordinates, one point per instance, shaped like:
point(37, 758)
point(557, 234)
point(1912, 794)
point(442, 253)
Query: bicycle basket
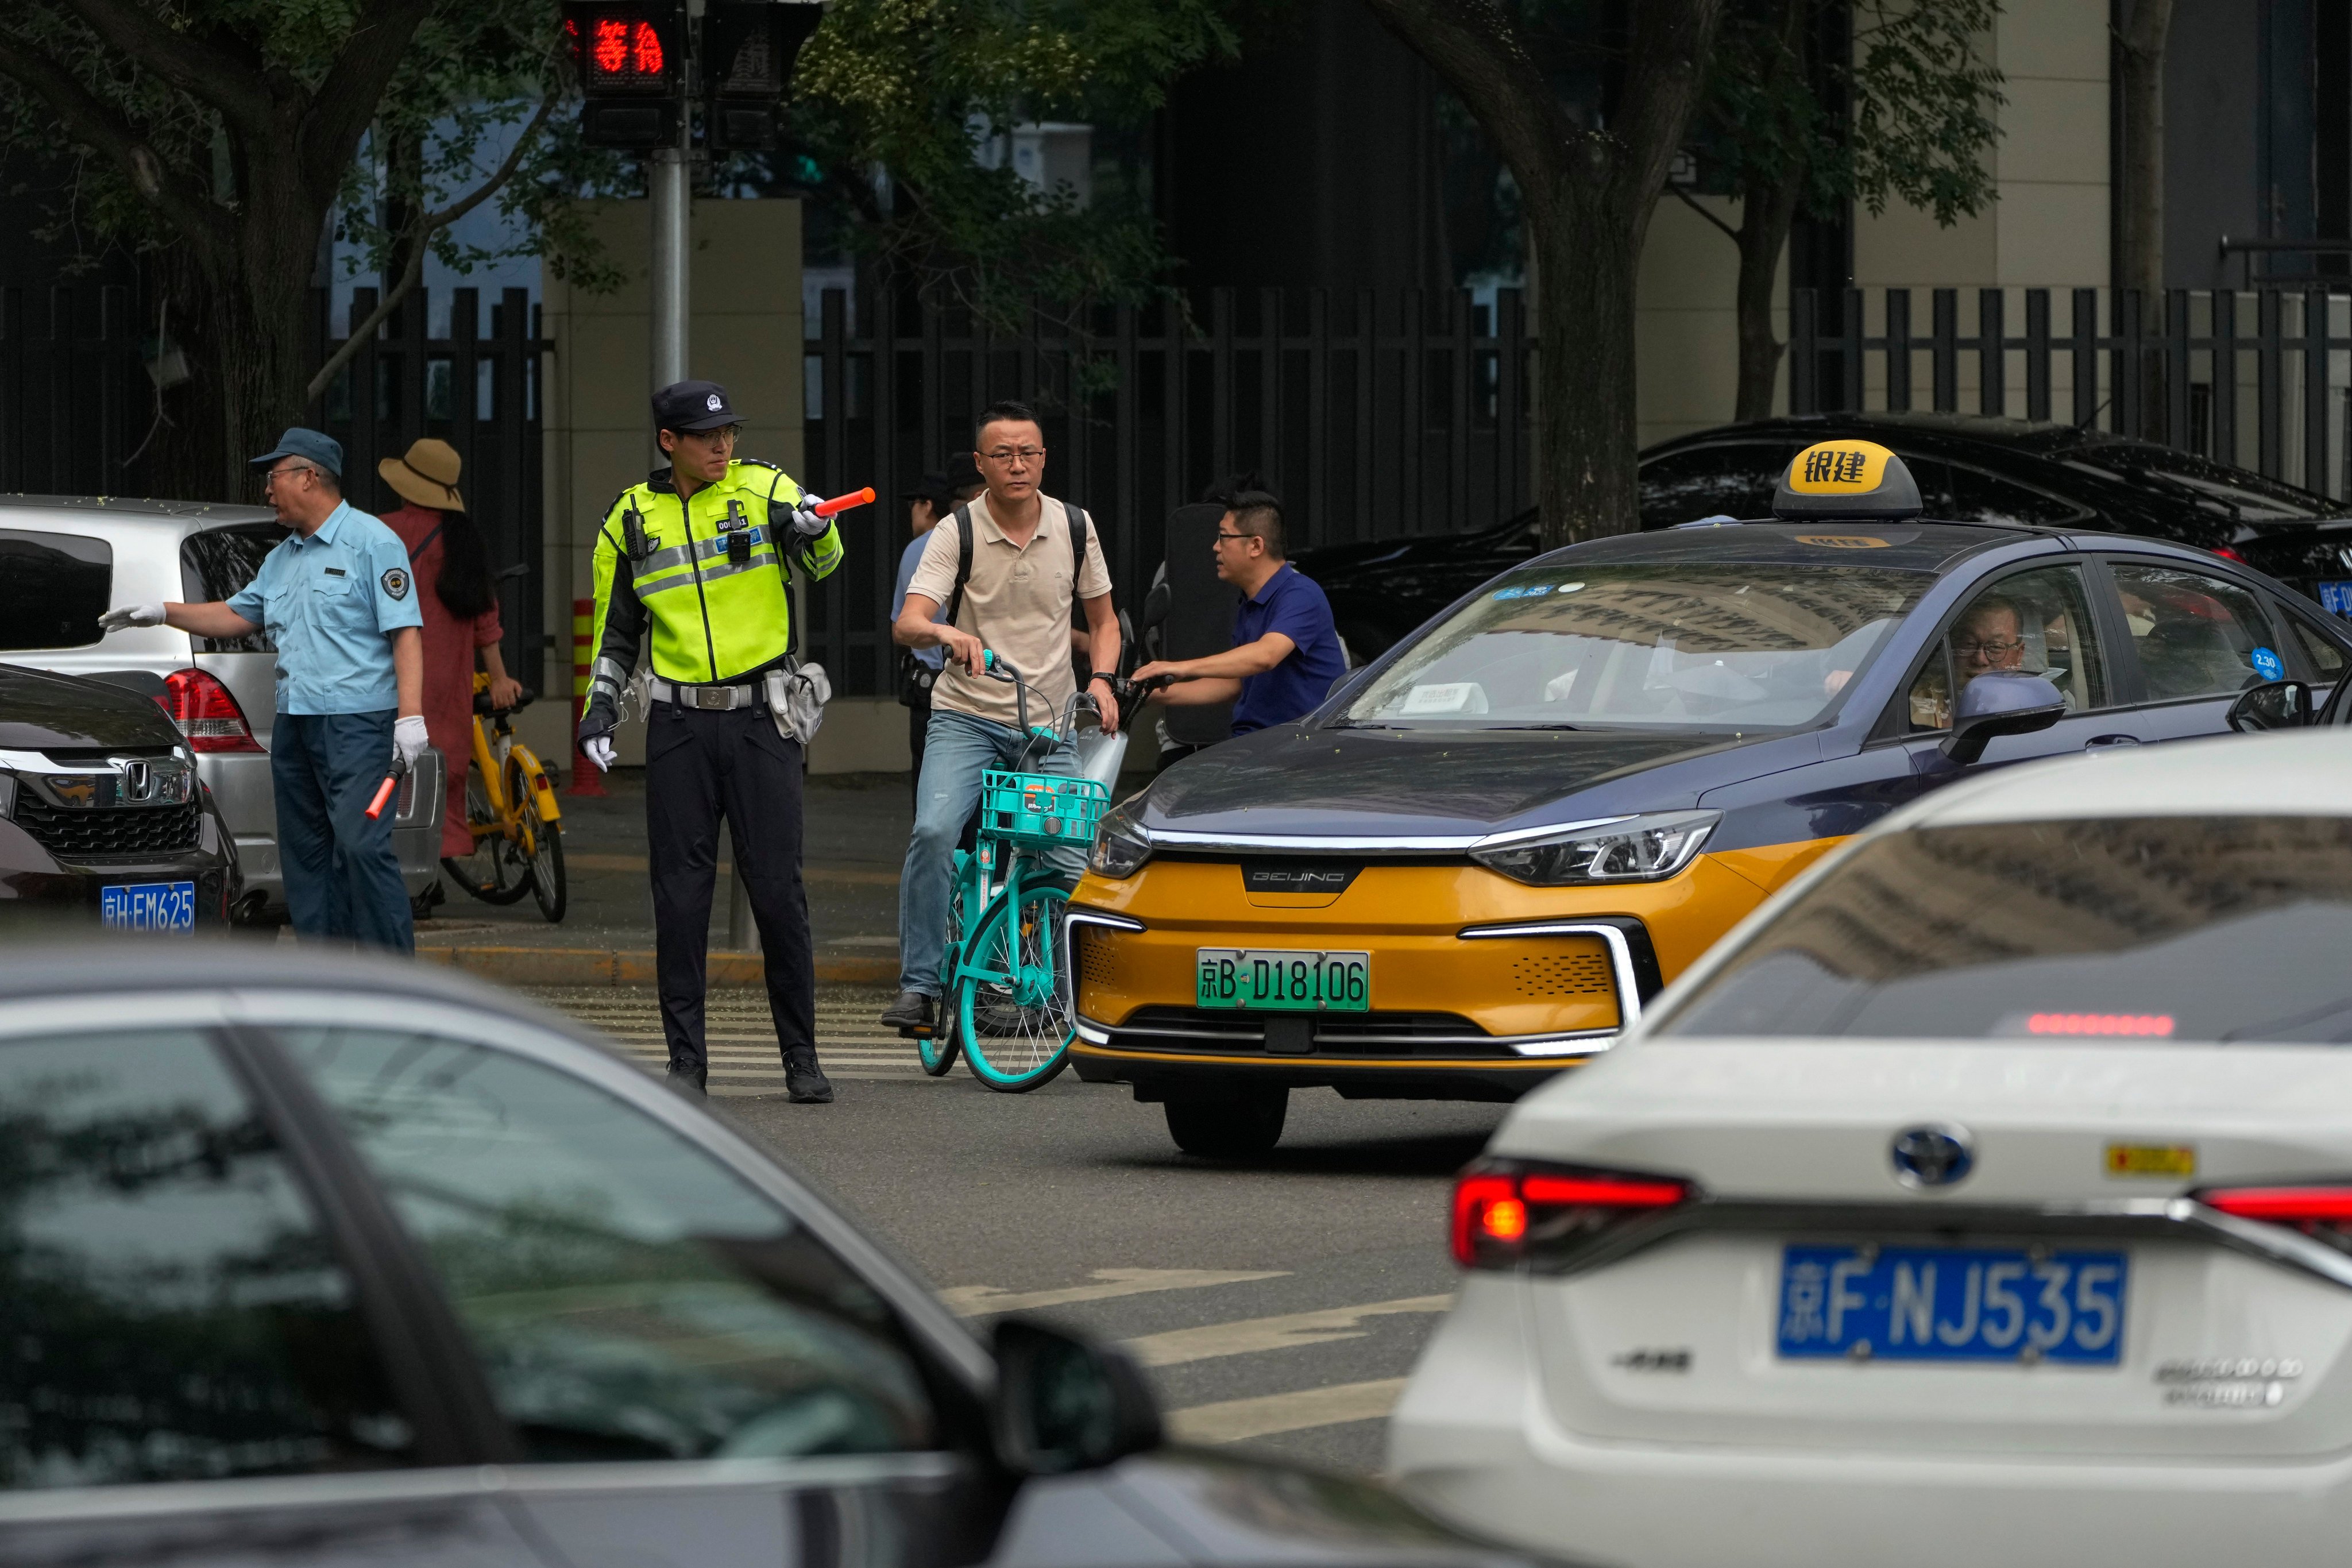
point(1040, 809)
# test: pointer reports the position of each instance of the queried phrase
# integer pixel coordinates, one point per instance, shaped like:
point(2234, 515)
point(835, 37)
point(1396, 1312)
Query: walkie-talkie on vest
point(634, 542)
point(736, 527)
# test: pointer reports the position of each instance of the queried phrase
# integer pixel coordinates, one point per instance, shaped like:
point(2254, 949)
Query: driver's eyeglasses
point(1970, 648)
point(1006, 454)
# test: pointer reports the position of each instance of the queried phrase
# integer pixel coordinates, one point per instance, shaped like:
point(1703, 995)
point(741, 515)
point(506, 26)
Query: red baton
point(842, 503)
point(383, 791)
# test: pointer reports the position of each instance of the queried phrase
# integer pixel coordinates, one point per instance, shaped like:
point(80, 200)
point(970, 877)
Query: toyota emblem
point(1934, 1155)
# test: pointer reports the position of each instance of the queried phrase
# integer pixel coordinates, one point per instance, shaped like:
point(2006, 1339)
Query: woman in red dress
point(460, 603)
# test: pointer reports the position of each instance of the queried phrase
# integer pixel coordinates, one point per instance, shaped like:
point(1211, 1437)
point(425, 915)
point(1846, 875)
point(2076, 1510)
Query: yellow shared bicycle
point(511, 813)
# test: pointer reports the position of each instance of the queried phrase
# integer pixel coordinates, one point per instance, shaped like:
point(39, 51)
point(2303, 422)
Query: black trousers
point(701, 767)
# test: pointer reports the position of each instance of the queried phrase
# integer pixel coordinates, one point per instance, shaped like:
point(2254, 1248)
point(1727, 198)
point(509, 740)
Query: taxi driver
point(1989, 639)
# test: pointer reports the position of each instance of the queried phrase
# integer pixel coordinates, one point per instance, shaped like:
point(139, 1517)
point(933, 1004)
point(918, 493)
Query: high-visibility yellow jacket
point(713, 620)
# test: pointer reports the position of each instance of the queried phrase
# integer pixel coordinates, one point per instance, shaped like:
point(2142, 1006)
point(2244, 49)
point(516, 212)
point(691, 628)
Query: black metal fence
point(478, 391)
point(2257, 379)
point(1370, 415)
point(76, 404)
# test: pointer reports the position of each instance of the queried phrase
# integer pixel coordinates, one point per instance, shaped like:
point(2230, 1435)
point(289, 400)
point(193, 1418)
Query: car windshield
point(1734, 646)
point(2201, 929)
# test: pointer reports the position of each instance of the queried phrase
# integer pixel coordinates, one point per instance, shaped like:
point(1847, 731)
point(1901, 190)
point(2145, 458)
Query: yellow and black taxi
point(1474, 863)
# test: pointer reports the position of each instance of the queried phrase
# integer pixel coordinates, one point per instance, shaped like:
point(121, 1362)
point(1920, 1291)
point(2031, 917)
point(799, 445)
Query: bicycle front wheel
point(1014, 1008)
point(495, 871)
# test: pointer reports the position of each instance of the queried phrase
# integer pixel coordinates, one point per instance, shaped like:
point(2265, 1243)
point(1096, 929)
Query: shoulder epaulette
point(760, 463)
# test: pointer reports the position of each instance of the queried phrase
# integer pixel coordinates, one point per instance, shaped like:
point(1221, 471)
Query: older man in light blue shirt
point(337, 599)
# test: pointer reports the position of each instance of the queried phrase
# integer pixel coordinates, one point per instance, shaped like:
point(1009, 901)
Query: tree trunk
point(1767, 213)
point(2140, 200)
point(1587, 196)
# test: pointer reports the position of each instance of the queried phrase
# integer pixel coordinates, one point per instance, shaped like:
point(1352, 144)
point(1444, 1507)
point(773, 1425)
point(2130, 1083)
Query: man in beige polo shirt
point(1026, 565)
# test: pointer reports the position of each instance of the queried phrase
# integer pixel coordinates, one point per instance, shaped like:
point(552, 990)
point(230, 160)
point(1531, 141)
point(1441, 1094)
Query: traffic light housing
point(749, 48)
point(631, 55)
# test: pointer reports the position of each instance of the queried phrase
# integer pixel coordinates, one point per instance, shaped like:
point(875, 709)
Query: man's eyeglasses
point(1006, 454)
point(1967, 648)
point(272, 476)
point(1223, 536)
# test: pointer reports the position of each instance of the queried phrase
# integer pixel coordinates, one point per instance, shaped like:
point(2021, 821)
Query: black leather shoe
point(805, 1083)
point(913, 1010)
point(690, 1083)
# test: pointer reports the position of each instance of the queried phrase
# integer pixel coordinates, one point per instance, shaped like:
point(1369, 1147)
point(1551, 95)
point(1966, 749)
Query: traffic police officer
point(696, 554)
point(337, 599)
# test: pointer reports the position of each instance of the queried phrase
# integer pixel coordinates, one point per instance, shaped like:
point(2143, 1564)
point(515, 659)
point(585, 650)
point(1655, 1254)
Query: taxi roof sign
point(1859, 481)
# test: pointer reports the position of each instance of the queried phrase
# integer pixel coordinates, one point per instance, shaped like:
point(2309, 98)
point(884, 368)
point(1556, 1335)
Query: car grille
point(1564, 974)
point(119, 834)
point(1400, 1035)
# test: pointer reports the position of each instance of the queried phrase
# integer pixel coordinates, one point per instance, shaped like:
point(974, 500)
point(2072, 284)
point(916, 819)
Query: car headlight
point(1645, 849)
point(1121, 847)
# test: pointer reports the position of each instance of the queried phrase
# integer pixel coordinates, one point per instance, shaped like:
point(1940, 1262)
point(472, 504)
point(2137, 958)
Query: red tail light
point(2226, 554)
point(206, 713)
point(2321, 1211)
point(1502, 1210)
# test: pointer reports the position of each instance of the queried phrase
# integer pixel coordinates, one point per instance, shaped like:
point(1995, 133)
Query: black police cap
point(693, 405)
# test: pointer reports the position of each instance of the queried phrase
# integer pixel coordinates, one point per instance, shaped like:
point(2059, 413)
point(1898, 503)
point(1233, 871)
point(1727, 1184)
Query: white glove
point(806, 522)
point(129, 615)
point(409, 739)
point(598, 749)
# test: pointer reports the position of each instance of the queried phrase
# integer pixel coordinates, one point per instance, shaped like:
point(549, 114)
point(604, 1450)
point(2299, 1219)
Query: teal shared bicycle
point(1007, 1005)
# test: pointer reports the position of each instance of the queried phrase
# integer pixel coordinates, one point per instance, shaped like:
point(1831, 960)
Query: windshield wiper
point(1552, 726)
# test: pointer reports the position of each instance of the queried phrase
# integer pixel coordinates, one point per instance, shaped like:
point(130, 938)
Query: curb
point(610, 966)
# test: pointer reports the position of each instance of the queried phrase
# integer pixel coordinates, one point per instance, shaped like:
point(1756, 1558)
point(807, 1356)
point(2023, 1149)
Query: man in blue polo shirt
point(337, 599)
point(1285, 651)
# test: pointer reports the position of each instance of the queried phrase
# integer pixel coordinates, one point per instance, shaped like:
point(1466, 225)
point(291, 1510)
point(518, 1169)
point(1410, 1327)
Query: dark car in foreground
point(103, 816)
point(331, 1263)
point(1969, 468)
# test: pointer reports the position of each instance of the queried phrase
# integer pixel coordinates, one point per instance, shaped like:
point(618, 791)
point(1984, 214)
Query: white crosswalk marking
point(1264, 1415)
point(972, 1300)
point(1290, 1332)
point(740, 1035)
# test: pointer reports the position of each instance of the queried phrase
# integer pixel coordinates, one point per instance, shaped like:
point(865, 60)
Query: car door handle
point(2101, 742)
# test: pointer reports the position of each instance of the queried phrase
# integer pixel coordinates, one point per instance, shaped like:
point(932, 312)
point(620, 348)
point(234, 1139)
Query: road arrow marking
point(972, 1300)
point(1291, 1332)
point(1238, 1420)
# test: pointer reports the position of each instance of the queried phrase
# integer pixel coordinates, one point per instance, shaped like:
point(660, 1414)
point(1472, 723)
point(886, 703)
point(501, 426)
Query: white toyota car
point(1986, 1198)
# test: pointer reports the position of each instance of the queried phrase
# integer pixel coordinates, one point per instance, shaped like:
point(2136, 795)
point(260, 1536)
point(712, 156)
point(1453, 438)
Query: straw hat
point(427, 475)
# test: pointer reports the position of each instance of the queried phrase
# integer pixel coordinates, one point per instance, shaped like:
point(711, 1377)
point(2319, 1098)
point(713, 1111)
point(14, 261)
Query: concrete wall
point(1685, 323)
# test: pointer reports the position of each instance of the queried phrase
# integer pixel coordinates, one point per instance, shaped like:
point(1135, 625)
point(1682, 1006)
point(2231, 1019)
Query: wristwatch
point(1103, 675)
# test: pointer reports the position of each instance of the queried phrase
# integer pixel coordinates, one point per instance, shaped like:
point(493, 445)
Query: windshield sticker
point(2267, 664)
point(1534, 591)
point(1568, 587)
point(1842, 540)
point(1451, 697)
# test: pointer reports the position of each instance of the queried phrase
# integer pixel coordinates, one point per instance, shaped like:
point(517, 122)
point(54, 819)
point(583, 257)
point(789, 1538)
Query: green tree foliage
point(910, 88)
point(1902, 110)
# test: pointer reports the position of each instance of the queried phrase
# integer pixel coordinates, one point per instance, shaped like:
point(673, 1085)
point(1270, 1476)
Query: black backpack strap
point(962, 515)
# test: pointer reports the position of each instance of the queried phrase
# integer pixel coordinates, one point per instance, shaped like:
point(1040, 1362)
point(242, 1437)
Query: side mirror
point(2000, 704)
point(1065, 1403)
point(2274, 705)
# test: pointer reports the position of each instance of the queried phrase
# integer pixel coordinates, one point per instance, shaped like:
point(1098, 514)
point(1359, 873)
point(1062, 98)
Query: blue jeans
point(957, 750)
point(341, 877)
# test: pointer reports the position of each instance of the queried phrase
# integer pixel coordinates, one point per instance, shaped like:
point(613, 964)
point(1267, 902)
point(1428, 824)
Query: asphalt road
point(1278, 1304)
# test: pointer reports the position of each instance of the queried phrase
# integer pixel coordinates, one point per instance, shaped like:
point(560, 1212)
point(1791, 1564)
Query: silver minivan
point(223, 693)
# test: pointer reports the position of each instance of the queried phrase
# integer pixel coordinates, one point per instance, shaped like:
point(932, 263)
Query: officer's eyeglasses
point(1970, 648)
point(722, 436)
point(1006, 454)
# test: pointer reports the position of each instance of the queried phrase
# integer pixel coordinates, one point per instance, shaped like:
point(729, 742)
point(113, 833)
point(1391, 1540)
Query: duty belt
point(707, 699)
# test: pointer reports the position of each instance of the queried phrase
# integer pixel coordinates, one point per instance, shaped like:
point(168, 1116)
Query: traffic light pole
point(666, 178)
